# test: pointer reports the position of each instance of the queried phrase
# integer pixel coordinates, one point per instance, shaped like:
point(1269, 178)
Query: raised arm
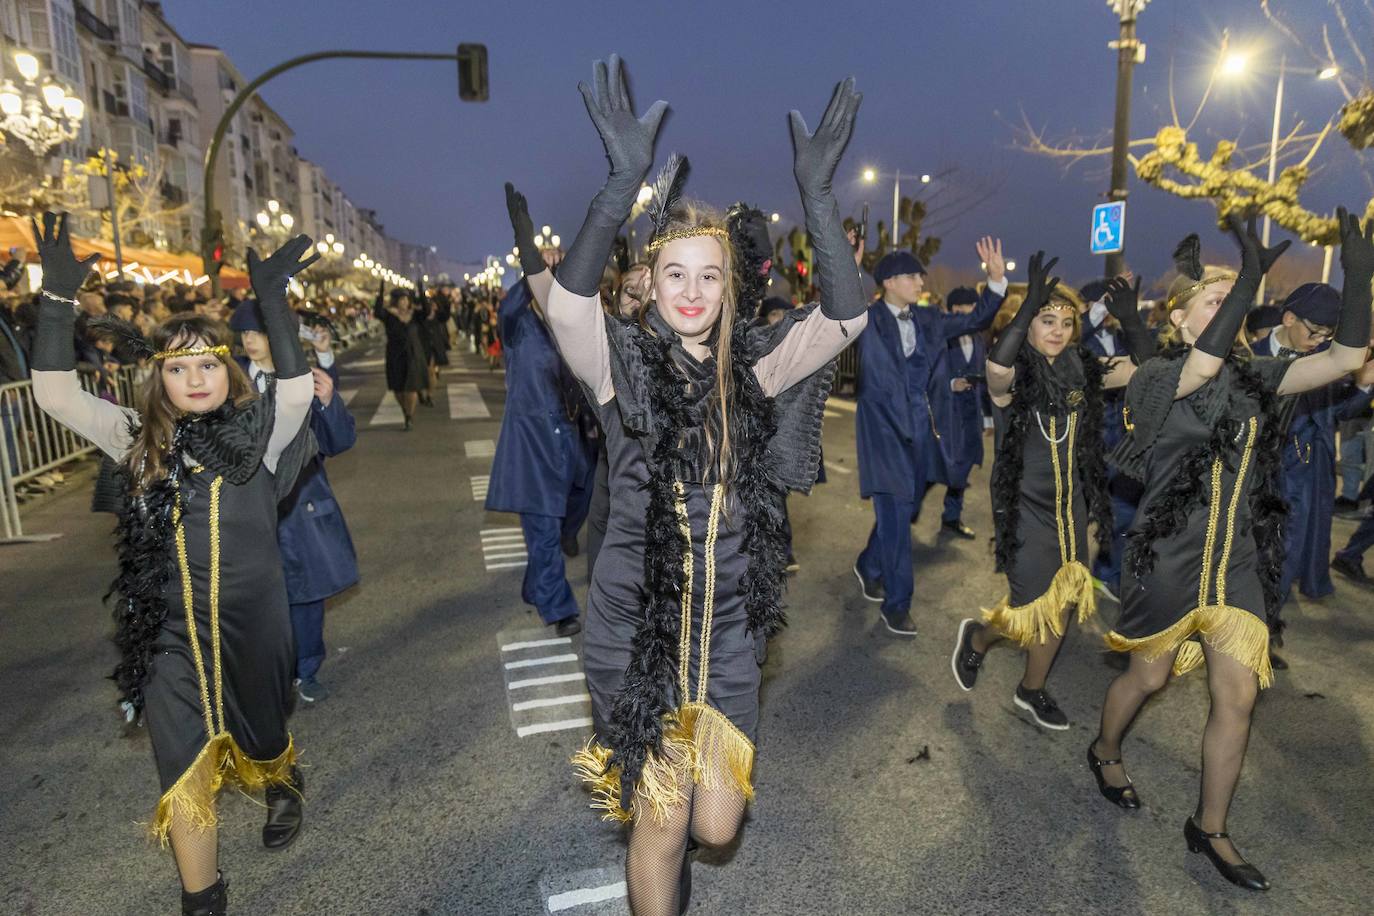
point(573, 309)
point(1350, 345)
point(1216, 340)
point(537, 273)
point(1001, 363)
point(989, 301)
point(295, 385)
point(56, 387)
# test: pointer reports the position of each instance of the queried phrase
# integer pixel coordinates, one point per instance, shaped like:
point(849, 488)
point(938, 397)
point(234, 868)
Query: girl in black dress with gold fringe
point(707, 420)
point(201, 614)
point(1205, 552)
point(1048, 479)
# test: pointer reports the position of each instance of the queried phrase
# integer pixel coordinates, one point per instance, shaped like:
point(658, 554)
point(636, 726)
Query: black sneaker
point(311, 690)
point(958, 529)
point(568, 626)
point(1043, 707)
point(966, 661)
point(1345, 504)
point(900, 626)
point(872, 588)
point(1351, 569)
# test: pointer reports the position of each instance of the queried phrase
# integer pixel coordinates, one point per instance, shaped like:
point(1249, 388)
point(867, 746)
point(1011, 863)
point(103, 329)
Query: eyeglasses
point(1316, 331)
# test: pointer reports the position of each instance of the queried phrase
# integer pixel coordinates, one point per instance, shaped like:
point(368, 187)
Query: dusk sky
point(945, 85)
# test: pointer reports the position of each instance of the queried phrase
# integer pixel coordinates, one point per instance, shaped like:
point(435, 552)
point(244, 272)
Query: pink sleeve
point(815, 341)
point(578, 326)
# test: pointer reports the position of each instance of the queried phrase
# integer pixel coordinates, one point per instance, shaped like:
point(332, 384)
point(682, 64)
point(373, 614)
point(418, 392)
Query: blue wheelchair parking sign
point(1109, 227)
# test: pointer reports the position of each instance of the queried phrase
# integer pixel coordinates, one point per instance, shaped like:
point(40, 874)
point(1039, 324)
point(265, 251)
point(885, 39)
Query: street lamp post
point(1128, 54)
point(869, 176)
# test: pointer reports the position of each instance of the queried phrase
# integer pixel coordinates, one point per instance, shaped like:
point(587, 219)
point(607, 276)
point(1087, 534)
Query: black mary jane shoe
point(285, 812)
point(1242, 875)
point(1121, 796)
point(213, 901)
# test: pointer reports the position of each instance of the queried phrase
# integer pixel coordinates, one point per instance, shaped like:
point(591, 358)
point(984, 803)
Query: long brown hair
point(158, 416)
point(687, 215)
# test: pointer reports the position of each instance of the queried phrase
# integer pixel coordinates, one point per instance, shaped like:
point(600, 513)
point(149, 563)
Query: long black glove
point(814, 159)
point(269, 280)
point(63, 274)
point(1038, 290)
point(1123, 304)
point(1357, 261)
point(531, 261)
point(629, 143)
point(1255, 260)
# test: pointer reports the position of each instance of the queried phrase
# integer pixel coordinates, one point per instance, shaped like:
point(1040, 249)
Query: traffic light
point(472, 73)
point(801, 267)
point(216, 249)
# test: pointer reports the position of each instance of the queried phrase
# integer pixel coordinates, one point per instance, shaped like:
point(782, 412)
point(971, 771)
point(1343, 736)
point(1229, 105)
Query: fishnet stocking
point(716, 813)
point(1125, 696)
point(1039, 657)
point(196, 850)
point(1233, 687)
point(653, 865)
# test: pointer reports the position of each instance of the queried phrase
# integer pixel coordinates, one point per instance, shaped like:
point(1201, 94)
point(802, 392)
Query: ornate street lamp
point(41, 115)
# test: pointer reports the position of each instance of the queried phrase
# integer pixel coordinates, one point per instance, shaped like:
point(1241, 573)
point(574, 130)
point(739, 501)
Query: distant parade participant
point(1205, 554)
point(543, 469)
point(201, 613)
point(317, 552)
point(407, 367)
point(1309, 320)
point(959, 414)
point(900, 456)
point(1049, 479)
point(707, 418)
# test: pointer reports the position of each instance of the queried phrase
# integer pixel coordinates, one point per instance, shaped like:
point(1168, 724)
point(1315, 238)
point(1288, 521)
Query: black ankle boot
point(1242, 874)
point(213, 901)
point(285, 811)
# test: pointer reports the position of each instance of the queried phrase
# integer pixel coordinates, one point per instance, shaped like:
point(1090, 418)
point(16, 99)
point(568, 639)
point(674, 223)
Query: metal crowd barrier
point(33, 443)
point(847, 371)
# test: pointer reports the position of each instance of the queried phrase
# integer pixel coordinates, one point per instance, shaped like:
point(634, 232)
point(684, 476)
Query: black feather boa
point(683, 406)
point(1038, 387)
point(1168, 514)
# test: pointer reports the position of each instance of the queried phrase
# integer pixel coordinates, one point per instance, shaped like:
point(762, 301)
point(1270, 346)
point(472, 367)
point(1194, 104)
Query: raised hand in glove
point(1255, 259)
point(629, 143)
point(1357, 262)
point(269, 278)
point(531, 262)
point(1038, 289)
point(63, 274)
point(1123, 304)
point(815, 157)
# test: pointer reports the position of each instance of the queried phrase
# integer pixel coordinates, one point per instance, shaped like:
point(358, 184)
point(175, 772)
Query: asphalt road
point(437, 776)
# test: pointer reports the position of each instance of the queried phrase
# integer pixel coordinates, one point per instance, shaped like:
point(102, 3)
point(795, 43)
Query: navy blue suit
point(1309, 479)
point(544, 466)
point(900, 400)
point(960, 418)
point(317, 552)
point(1123, 489)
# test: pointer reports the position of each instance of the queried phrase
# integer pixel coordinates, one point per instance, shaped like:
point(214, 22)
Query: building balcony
point(157, 76)
point(173, 195)
point(92, 23)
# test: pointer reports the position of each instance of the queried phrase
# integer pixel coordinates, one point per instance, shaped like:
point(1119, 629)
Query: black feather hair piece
point(667, 190)
point(127, 337)
point(1188, 257)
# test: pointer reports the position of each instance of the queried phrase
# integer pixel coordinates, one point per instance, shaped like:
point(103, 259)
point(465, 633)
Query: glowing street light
point(1329, 73)
point(775, 217)
point(27, 65)
point(870, 176)
point(1234, 64)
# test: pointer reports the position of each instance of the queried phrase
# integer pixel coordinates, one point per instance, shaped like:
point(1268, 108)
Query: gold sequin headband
point(221, 351)
point(665, 238)
point(1189, 290)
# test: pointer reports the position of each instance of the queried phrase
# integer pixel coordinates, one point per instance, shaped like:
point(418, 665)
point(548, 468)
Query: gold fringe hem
point(1230, 630)
point(699, 743)
point(1043, 617)
point(192, 796)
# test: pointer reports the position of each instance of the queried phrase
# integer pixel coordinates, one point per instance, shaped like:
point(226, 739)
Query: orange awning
point(148, 265)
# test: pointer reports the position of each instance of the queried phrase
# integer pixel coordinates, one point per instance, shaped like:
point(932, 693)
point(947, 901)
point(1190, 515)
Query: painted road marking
point(503, 548)
point(554, 701)
point(846, 406)
point(550, 679)
point(365, 364)
point(479, 448)
point(594, 892)
point(388, 413)
point(348, 395)
point(465, 402)
point(837, 468)
point(480, 482)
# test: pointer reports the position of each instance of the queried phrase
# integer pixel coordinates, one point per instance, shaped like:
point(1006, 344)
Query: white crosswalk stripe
point(595, 892)
point(388, 413)
point(479, 448)
point(545, 688)
point(465, 402)
point(479, 486)
point(838, 468)
point(503, 548)
point(348, 395)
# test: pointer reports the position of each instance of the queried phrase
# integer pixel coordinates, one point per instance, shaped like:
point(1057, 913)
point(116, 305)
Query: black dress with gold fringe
point(1204, 552)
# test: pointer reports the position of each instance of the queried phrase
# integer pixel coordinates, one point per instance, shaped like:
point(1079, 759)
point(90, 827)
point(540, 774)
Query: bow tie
point(904, 314)
point(1285, 353)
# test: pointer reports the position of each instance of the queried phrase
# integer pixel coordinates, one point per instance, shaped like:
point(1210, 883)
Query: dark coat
point(960, 419)
point(895, 451)
point(316, 549)
point(541, 452)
